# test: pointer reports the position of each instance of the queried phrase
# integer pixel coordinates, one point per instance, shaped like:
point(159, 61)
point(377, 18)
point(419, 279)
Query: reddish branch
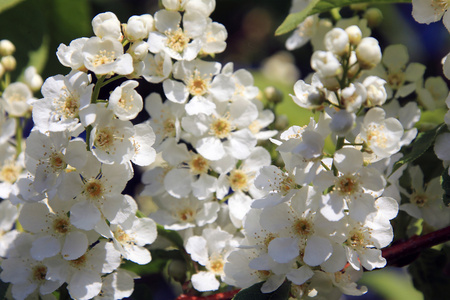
point(220, 296)
point(405, 252)
point(398, 254)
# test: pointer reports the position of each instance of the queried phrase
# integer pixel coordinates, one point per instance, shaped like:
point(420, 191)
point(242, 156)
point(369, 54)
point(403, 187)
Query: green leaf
point(157, 264)
point(429, 273)
point(171, 235)
point(6, 4)
point(321, 6)
point(292, 20)
point(446, 186)
point(423, 141)
point(254, 292)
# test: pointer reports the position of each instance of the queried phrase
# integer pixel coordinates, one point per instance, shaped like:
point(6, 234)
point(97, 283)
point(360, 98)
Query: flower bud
point(138, 50)
point(138, 27)
point(273, 94)
point(368, 53)
point(337, 41)
point(374, 17)
point(326, 64)
point(376, 92)
point(33, 79)
point(6, 47)
point(342, 122)
point(353, 96)
point(107, 25)
point(354, 34)
point(9, 63)
point(2, 70)
point(281, 122)
point(354, 66)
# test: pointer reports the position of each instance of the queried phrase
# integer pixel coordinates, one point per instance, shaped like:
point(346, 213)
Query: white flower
point(210, 250)
point(10, 169)
point(214, 38)
point(65, 103)
point(310, 96)
point(26, 274)
point(425, 201)
point(434, 93)
point(71, 56)
point(354, 187)
point(190, 173)
point(131, 236)
point(225, 131)
point(363, 244)
point(401, 77)
point(49, 157)
point(376, 92)
point(429, 11)
point(15, 98)
point(143, 139)
point(197, 78)
point(97, 189)
point(54, 232)
point(110, 138)
point(105, 56)
point(180, 43)
point(382, 135)
point(303, 33)
point(117, 285)
point(165, 117)
point(8, 217)
point(157, 68)
point(179, 214)
point(107, 25)
point(125, 102)
point(83, 275)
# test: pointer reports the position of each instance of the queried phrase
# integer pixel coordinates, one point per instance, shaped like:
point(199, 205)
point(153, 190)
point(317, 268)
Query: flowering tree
point(241, 205)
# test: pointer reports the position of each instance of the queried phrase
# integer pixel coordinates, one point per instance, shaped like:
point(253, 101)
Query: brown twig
point(404, 252)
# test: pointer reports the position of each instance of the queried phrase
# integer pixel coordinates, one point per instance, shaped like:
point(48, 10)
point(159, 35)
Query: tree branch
point(404, 252)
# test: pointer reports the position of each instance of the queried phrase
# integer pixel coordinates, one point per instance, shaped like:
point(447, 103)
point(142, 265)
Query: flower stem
point(19, 136)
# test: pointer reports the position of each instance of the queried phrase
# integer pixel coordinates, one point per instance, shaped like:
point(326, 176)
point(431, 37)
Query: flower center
point(238, 180)
point(79, 262)
point(104, 57)
point(419, 199)
point(10, 172)
point(376, 135)
point(396, 80)
point(347, 184)
point(177, 40)
point(186, 215)
point(197, 84)
point(216, 265)
point(198, 165)
point(93, 189)
point(39, 273)
point(57, 162)
point(105, 138)
point(221, 127)
point(61, 225)
point(303, 227)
